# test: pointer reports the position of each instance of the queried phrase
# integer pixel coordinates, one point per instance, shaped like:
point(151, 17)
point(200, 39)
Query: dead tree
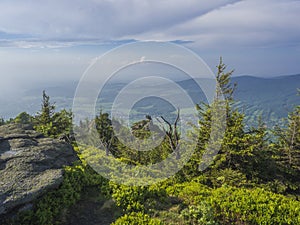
point(172, 134)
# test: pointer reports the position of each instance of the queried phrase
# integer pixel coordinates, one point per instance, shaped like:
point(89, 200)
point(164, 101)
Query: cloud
point(102, 20)
point(207, 23)
point(246, 23)
point(265, 32)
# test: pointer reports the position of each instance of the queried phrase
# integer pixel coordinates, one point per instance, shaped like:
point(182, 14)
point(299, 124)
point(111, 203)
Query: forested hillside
point(254, 177)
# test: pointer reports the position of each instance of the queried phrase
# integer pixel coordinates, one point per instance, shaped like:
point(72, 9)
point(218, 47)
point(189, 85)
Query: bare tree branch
point(172, 133)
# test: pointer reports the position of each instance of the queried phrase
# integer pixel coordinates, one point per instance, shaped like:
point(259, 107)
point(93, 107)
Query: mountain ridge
point(273, 97)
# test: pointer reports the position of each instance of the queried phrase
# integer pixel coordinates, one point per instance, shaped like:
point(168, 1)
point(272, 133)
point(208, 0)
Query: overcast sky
point(57, 39)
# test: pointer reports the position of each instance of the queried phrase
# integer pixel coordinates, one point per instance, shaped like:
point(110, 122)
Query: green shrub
point(233, 205)
point(47, 210)
point(227, 177)
point(189, 192)
point(256, 206)
point(136, 219)
point(201, 214)
point(136, 198)
point(23, 118)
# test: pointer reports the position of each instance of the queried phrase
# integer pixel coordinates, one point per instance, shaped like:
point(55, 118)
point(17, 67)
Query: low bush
point(253, 206)
point(47, 210)
point(137, 218)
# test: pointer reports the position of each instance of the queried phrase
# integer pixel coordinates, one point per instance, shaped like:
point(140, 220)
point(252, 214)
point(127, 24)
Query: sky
point(55, 40)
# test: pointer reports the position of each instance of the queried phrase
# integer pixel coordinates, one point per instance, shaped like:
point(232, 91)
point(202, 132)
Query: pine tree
point(105, 131)
point(288, 145)
point(234, 153)
point(63, 125)
point(51, 123)
point(2, 121)
point(43, 119)
point(286, 151)
point(47, 111)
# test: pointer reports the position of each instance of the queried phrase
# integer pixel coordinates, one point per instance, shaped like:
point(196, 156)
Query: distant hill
point(272, 98)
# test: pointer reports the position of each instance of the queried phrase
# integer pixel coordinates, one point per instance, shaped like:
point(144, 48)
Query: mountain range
point(271, 98)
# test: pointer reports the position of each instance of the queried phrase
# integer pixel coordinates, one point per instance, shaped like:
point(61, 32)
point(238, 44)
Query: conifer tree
point(43, 119)
point(288, 145)
point(233, 153)
point(105, 131)
point(51, 123)
point(2, 122)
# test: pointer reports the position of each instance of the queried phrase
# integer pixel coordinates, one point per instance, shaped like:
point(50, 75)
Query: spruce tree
point(43, 119)
point(51, 123)
point(232, 155)
point(105, 131)
point(287, 147)
point(2, 121)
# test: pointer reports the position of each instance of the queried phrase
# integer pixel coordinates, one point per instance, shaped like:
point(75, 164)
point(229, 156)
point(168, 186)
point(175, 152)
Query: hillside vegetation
point(254, 178)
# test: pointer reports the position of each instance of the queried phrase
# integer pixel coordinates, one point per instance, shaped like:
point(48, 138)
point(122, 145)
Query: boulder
point(30, 166)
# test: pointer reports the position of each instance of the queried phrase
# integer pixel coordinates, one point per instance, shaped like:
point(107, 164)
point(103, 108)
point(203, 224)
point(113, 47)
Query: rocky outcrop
point(30, 165)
